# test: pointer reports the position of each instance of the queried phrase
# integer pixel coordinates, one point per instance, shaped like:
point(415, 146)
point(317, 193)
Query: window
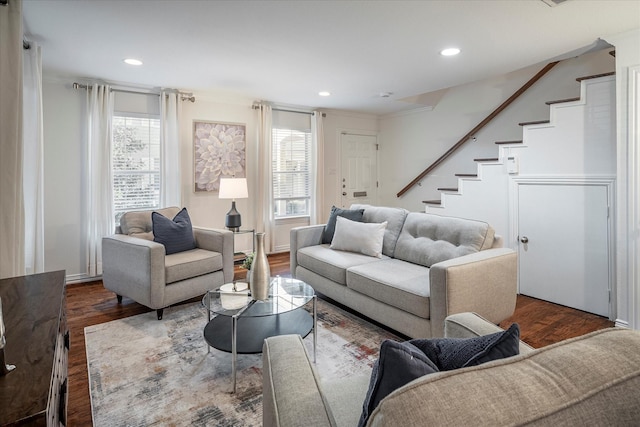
point(291, 160)
point(135, 163)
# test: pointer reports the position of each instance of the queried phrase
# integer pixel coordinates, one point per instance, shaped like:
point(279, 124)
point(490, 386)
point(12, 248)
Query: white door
point(359, 181)
point(563, 234)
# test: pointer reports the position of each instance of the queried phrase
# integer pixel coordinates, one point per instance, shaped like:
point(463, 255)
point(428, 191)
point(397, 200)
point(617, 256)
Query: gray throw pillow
point(176, 235)
point(401, 363)
point(330, 227)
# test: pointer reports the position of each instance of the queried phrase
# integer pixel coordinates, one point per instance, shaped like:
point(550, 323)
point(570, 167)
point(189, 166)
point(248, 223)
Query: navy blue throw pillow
point(176, 235)
point(398, 364)
point(454, 353)
point(401, 363)
point(330, 227)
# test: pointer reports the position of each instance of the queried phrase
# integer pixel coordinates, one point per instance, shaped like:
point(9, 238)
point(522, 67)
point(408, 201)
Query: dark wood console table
point(35, 393)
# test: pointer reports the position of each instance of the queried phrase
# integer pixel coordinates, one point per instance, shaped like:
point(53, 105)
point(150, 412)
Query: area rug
point(145, 372)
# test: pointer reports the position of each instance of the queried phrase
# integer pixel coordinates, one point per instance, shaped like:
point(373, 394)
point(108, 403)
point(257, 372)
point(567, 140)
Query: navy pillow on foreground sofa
point(401, 363)
point(176, 235)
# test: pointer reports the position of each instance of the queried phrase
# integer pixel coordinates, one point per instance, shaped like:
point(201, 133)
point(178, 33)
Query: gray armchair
point(137, 267)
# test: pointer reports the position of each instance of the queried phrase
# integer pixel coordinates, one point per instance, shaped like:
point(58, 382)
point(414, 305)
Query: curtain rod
point(183, 96)
point(25, 43)
point(311, 113)
point(356, 134)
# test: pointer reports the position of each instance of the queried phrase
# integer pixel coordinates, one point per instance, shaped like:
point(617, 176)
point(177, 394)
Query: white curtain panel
point(98, 199)
point(11, 201)
point(33, 164)
point(317, 165)
point(264, 207)
point(170, 194)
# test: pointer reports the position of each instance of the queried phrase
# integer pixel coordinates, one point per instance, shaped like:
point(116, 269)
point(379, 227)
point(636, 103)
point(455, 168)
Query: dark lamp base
point(233, 221)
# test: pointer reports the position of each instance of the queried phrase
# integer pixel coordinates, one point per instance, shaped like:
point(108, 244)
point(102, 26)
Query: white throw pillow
point(363, 237)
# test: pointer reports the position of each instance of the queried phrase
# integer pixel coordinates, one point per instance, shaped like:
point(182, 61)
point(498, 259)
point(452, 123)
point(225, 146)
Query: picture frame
point(219, 151)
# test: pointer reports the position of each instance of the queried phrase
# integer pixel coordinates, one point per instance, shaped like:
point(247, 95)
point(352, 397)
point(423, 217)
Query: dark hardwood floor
point(541, 324)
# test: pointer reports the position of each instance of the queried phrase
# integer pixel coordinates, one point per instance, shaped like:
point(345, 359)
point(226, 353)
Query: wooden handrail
point(482, 124)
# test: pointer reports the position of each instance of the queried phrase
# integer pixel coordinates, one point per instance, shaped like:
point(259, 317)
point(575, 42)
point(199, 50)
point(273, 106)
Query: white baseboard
point(622, 324)
point(80, 278)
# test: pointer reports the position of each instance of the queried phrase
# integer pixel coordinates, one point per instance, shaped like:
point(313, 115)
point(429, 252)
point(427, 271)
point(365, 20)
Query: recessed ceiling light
point(450, 51)
point(324, 93)
point(132, 61)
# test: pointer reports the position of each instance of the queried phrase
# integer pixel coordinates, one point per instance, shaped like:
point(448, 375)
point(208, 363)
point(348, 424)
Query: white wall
point(412, 141)
point(63, 182)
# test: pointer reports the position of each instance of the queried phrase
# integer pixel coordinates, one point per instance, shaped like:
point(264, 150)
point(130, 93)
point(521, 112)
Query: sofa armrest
point(484, 282)
point(220, 241)
point(291, 391)
point(469, 325)
point(134, 267)
point(301, 237)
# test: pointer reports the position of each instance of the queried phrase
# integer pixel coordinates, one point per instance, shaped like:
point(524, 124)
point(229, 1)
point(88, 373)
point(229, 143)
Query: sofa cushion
point(139, 222)
point(188, 264)
point(175, 234)
point(590, 380)
point(398, 364)
point(395, 219)
point(353, 236)
point(428, 239)
point(395, 282)
point(330, 226)
point(330, 263)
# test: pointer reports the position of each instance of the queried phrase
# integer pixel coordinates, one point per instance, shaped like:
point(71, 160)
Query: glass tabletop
point(285, 294)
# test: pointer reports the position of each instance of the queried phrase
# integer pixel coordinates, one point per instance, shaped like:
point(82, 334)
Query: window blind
point(291, 157)
point(135, 163)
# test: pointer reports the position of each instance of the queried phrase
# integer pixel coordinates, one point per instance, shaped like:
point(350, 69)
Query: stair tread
point(595, 76)
point(508, 142)
point(467, 175)
point(560, 101)
point(491, 159)
point(447, 189)
point(432, 202)
point(536, 122)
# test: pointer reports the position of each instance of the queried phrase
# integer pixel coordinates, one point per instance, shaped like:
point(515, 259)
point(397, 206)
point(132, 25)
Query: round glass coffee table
point(239, 324)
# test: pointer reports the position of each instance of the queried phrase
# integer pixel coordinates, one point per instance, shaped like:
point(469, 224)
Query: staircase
point(558, 146)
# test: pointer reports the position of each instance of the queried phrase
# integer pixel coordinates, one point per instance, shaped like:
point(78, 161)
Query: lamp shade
point(233, 188)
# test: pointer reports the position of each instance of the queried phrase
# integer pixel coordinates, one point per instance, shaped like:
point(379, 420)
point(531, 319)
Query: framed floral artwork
point(219, 152)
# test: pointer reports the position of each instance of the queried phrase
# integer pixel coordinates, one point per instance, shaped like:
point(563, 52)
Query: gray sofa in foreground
point(431, 266)
point(590, 380)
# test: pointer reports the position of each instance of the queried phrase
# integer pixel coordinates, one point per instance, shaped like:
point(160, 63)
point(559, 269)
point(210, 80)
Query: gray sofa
point(137, 267)
point(590, 380)
point(432, 266)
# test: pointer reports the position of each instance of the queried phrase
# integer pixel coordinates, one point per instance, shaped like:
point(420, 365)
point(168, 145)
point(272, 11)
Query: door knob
point(344, 194)
point(524, 239)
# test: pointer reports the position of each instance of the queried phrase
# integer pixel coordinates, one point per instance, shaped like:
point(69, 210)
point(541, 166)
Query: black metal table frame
point(234, 329)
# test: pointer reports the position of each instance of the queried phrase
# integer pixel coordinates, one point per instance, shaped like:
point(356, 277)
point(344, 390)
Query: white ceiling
point(288, 51)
